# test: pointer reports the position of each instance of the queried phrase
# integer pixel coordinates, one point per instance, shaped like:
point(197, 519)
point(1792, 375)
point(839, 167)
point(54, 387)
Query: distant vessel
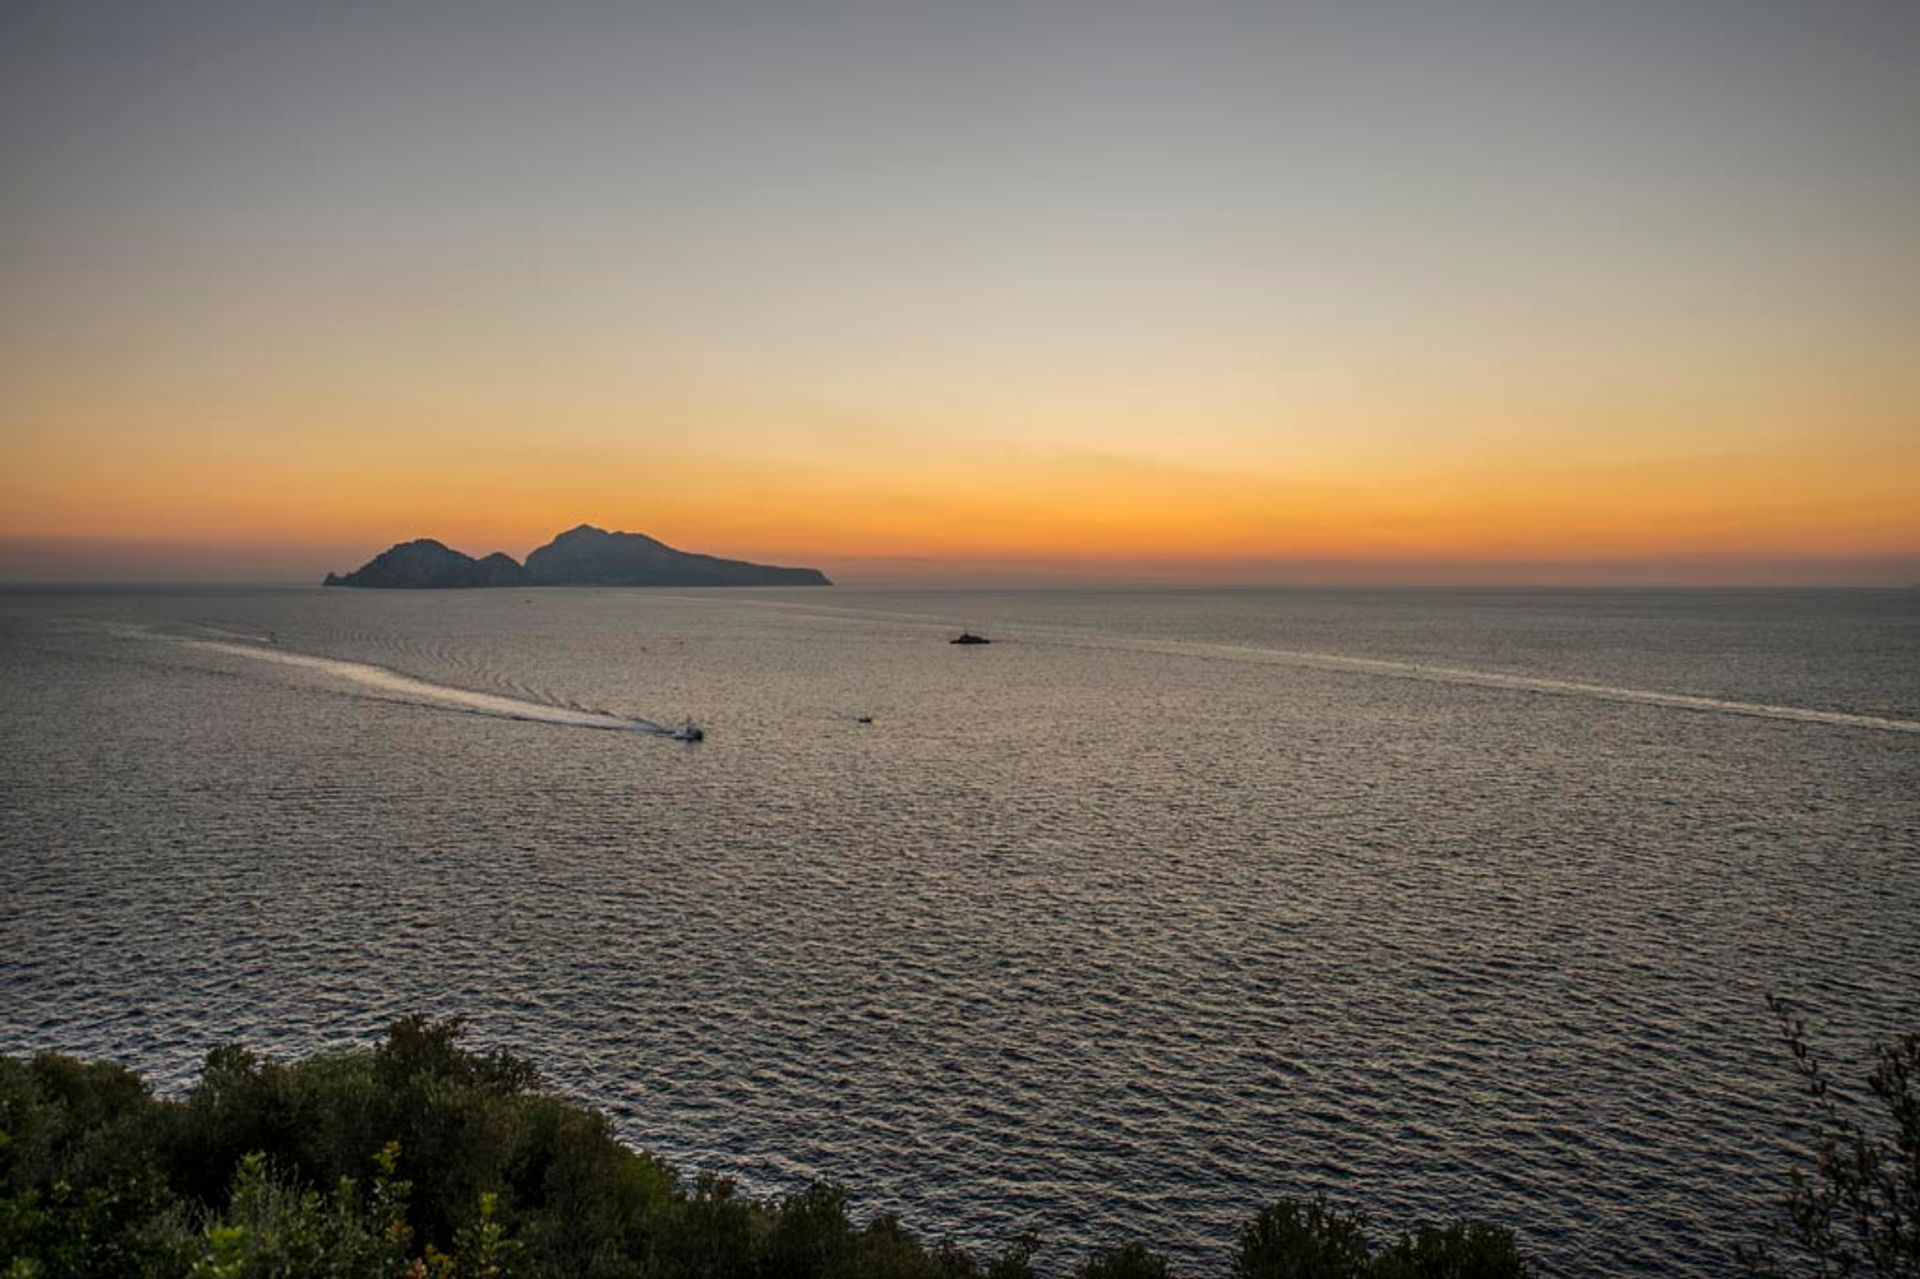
point(968, 637)
point(688, 732)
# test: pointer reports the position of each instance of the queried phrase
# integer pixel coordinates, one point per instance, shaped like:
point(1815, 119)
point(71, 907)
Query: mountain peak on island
point(589, 556)
point(428, 564)
point(592, 534)
point(582, 556)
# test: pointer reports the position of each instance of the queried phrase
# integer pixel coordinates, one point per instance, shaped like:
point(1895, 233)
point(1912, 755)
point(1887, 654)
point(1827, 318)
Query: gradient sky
point(969, 290)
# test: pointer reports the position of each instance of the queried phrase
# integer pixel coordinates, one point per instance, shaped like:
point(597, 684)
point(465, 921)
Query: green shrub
point(1128, 1261)
point(79, 1195)
point(1462, 1250)
point(1303, 1240)
point(419, 1159)
point(1293, 1239)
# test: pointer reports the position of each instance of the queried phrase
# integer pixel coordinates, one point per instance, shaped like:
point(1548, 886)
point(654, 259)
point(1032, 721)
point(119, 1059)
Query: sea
point(1163, 905)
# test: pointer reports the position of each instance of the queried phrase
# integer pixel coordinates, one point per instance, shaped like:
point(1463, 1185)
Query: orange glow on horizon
point(954, 505)
point(1550, 466)
point(948, 290)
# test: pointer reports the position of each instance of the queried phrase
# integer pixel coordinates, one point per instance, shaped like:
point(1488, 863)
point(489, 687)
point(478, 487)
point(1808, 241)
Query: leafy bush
point(1314, 1240)
point(1460, 1250)
point(418, 1159)
point(79, 1193)
point(1129, 1261)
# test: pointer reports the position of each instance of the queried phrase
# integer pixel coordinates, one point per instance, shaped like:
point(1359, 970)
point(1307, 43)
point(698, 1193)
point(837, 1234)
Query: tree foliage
point(1858, 1213)
point(1312, 1239)
point(420, 1159)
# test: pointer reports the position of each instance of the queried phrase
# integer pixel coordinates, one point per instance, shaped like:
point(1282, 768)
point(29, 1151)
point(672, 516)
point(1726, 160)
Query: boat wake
point(1385, 668)
point(1392, 669)
point(405, 688)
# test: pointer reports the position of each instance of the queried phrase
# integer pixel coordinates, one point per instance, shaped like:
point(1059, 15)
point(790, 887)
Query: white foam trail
point(1521, 683)
point(418, 690)
point(247, 636)
point(1384, 667)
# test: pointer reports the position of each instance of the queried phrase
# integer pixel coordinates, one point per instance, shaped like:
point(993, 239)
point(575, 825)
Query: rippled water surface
point(1161, 906)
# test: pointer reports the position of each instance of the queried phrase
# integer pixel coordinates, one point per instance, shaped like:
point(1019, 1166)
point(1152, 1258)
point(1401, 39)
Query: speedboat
point(968, 637)
point(688, 732)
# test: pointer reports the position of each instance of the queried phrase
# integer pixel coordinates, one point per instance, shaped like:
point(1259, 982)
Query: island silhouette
point(582, 556)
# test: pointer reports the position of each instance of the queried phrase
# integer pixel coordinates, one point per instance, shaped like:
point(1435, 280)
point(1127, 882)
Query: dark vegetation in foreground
point(418, 1159)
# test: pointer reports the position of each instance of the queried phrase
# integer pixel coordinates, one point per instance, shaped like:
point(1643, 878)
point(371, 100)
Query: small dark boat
point(688, 732)
point(863, 719)
point(968, 637)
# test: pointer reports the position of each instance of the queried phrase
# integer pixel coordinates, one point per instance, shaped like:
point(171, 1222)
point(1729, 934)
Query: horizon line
point(42, 560)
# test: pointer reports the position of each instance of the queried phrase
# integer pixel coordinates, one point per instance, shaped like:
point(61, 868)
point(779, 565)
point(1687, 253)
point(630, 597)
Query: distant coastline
point(581, 556)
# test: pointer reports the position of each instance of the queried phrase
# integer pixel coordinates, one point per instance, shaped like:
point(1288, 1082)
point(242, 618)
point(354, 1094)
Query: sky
point(967, 291)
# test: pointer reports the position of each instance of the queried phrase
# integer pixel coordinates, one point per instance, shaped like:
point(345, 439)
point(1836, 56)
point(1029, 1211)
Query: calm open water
point(1163, 905)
